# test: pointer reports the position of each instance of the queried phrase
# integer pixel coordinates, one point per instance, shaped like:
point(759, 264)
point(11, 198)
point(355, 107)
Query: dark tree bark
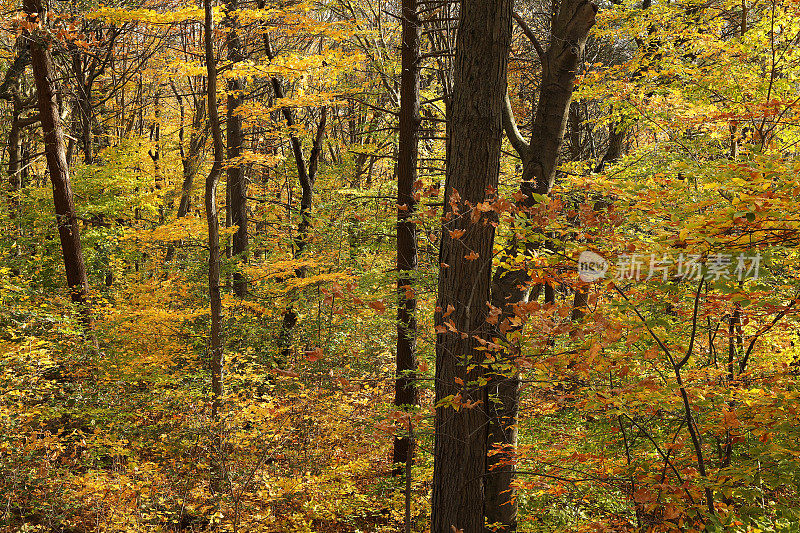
point(55, 153)
point(617, 132)
point(82, 106)
point(569, 31)
point(237, 186)
point(307, 176)
point(155, 136)
point(473, 166)
point(86, 69)
point(14, 158)
point(11, 89)
point(405, 391)
point(190, 160)
point(212, 217)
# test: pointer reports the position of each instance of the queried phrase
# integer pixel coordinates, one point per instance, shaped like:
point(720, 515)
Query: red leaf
point(314, 355)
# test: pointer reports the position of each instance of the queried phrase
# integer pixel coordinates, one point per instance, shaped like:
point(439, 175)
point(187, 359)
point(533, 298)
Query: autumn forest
point(364, 266)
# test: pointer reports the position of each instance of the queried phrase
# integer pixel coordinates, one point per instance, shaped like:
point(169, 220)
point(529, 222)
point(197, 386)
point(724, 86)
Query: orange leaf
point(471, 257)
point(671, 512)
point(378, 306)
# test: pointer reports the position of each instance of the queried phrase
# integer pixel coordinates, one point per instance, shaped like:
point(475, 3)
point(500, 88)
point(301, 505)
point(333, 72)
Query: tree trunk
point(405, 391)
point(190, 160)
point(14, 159)
point(236, 179)
point(68, 230)
point(155, 153)
point(473, 166)
point(569, 32)
point(307, 175)
point(616, 137)
point(83, 104)
point(191, 163)
point(212, 217)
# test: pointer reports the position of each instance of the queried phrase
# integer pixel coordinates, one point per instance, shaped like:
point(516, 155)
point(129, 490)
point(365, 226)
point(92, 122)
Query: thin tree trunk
point(14, 158)
point(191, 160)
point(307, 175)
point(212, 217)
point(616, 138)
point(405, 391)
point(66, 219)
point(83, 105)
point(473, 166)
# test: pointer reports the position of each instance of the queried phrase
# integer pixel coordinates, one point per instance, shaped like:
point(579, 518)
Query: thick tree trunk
point(68, 229)
point(473, 166)
point(405, 391)
point(237, 185)
point(569, 33)
point(570, 29)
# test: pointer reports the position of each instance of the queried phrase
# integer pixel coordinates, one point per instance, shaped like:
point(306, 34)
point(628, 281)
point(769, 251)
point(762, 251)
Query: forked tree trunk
point(191, 159)
point(473, 166)
point(570, 29)
point(68, 230)
point(405, 389)
point(307, 176)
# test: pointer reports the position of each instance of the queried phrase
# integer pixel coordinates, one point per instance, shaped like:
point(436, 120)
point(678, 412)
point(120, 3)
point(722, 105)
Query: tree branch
point(532, 37)
point(513, 133)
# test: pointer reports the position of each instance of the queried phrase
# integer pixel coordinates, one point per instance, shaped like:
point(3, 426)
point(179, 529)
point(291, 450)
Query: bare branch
point(532, 37)
point(513, 133)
